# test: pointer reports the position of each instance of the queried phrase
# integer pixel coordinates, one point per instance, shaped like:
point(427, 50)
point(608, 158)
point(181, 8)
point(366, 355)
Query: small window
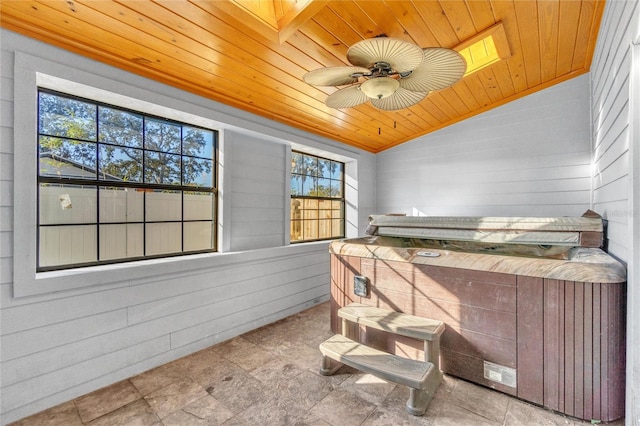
point(317, 198)
point(116, 185)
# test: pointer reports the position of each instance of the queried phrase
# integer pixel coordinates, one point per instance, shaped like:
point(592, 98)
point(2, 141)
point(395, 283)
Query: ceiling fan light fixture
point(380, 87)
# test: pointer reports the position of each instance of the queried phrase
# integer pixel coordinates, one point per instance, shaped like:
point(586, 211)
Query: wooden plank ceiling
point(252, 54)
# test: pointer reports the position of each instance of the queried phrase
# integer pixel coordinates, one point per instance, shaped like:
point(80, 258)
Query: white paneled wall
point(615, 104)
point(60, 347)
point(59, 342)
point(610, 103)
point(530, 157)
point(256, 192)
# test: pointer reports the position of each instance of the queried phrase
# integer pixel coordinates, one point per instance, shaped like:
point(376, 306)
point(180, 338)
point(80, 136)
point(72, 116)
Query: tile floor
point(270, 377)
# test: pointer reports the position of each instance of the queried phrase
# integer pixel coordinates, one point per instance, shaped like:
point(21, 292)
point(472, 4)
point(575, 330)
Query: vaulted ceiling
point(252, 54)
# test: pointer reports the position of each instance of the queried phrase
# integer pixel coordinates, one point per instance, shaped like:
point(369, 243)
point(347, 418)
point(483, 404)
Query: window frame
point(98, 184)
point(341, 199)
point(31, 72)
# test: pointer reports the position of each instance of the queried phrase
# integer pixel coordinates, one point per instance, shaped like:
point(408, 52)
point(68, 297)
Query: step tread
point(387, 366)
point(391, 321)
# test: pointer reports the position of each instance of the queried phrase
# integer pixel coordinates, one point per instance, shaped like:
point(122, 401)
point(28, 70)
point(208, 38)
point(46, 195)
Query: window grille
point(317, 198)
point(117, 185)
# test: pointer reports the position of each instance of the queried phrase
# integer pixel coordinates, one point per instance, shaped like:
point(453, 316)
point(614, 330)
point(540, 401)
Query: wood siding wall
point(612, 118)
point(530, 157)
point(57, 346)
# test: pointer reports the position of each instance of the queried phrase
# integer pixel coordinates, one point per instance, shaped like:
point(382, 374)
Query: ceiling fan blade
point(333, 76)
point(401, 55)
point(440, 68)
point(346, 98)
point(402, 98)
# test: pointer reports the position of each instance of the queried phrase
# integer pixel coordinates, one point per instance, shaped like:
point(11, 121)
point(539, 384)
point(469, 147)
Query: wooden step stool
point(422, 377)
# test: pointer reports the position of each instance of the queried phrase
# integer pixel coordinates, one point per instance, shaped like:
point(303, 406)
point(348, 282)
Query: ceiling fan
point(391, 73)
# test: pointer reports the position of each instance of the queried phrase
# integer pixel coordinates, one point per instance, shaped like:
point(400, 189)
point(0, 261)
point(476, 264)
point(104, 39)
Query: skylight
point(485, 48)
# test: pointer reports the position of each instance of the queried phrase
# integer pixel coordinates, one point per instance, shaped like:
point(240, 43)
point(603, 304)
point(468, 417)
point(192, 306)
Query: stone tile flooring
point(270, 377)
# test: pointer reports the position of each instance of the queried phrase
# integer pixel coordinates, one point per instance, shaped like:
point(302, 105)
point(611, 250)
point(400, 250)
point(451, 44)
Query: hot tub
point(537, 317)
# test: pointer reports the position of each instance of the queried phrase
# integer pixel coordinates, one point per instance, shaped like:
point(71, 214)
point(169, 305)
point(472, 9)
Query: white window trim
point(31, 73)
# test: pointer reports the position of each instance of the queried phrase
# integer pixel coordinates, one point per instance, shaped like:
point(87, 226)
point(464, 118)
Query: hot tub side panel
point(564, 339)
point(478, 308)
point(582, 355)
point(343, 269)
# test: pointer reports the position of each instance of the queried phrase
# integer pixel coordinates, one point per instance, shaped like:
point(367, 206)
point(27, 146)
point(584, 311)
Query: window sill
point(122, 274)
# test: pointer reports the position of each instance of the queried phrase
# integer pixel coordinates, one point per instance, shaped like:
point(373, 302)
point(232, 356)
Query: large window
point(117, 185)
point(317, 198)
